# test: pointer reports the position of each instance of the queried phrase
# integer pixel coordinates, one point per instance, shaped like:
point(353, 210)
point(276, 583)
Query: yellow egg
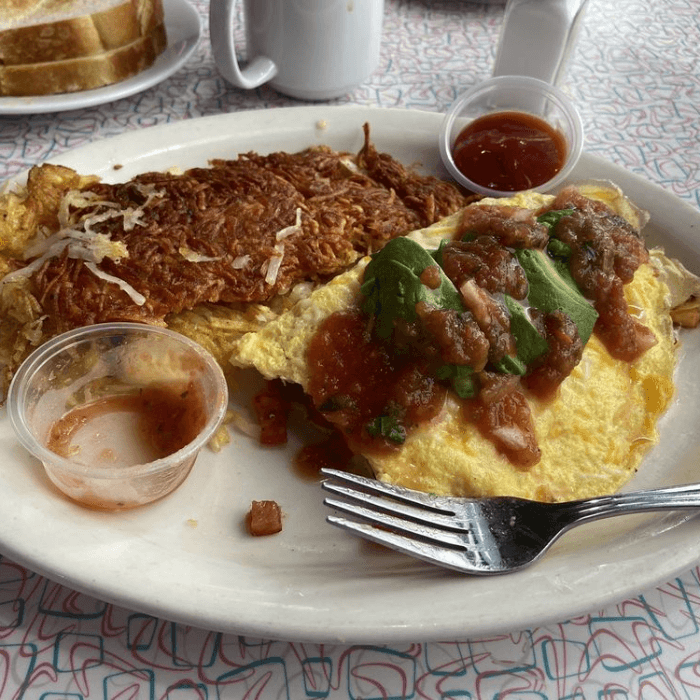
point(593, 434)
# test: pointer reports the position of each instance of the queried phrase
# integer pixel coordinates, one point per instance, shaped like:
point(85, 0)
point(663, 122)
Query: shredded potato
point(21, 320)
point(242, 236)
point(37, 206)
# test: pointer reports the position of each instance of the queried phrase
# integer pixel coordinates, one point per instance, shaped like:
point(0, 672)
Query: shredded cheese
point(350, 165)
point(78, 238)
point(274, 264)
point(138, 298)
point(290, 230)
point(192, 256)
point(240, 262)
point(275, 261)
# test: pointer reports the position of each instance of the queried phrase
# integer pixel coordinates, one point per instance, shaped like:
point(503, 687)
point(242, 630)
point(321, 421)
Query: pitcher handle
point(259, 70)
point(537, 37)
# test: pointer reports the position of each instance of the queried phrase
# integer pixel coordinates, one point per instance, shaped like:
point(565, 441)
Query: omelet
point(592, 435)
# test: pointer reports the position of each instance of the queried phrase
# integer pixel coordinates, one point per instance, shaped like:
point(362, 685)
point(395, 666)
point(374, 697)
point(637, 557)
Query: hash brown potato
point(210, 251)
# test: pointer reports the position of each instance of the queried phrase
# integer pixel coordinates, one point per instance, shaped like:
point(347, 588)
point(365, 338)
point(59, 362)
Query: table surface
point(635, 77)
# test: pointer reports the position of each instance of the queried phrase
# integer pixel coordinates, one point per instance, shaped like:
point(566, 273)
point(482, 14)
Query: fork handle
point(673, 497)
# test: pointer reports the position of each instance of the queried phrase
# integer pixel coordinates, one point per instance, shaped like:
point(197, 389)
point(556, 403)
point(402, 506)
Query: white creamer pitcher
point(537, 37)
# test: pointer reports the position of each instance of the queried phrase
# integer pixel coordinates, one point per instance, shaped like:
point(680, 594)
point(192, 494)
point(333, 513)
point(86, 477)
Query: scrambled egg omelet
point(592, 435)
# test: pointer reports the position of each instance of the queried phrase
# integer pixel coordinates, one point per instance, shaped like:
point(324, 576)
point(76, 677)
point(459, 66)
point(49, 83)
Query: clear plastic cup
point(511, 93)
point(117, 412)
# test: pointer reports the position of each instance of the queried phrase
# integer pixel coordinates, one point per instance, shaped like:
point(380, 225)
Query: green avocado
point(392, 285)
point(528, 342)
point(552, 288)
point(461, 378)
point(392, 288)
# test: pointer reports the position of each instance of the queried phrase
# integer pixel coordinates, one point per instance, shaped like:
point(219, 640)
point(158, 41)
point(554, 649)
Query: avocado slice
point(392, 288)
point(392, 285)
point(552, 288)
point(461, 378)
point(528, 341)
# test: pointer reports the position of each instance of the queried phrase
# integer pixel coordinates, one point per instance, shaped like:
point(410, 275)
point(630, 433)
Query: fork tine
point(465, 561)
point(403, 526)
point(436, 519)
point(421, 500)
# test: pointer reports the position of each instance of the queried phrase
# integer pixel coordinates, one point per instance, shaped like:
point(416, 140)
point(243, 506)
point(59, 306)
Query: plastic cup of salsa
point(117, 412)
point(509, 134)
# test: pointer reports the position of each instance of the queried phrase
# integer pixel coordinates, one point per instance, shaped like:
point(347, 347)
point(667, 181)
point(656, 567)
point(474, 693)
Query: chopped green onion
point(387, 427)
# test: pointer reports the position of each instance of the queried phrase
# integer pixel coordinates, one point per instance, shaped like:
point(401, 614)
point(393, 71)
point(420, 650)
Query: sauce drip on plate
point(510, 151)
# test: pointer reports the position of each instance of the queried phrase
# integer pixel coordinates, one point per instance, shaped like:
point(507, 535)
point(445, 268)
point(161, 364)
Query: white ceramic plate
point(184, 29)
point(187, 558)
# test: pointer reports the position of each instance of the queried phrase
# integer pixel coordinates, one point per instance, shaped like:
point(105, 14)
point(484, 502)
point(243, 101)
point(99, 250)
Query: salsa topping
point(605, 253)
point(500, 313)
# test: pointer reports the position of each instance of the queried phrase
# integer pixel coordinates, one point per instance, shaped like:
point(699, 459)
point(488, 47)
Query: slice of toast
point(63, 45)
point(83, 73)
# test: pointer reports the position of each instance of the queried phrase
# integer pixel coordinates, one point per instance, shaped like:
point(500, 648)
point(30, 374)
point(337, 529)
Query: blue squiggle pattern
point(645, 647)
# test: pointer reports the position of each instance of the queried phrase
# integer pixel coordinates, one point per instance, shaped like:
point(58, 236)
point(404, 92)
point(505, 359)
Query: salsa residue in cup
point(509, 151)
point(129, 428)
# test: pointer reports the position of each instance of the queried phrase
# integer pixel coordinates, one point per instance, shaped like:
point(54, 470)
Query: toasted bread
point(60, 46)
point(83, 73)
point(23, 13)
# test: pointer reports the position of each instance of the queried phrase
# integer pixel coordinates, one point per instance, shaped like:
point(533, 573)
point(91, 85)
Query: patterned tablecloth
point(635, 76)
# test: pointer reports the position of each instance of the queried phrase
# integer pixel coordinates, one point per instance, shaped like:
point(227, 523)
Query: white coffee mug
point(308, 49)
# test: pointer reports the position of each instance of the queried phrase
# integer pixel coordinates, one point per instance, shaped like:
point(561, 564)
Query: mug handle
point(258, 71)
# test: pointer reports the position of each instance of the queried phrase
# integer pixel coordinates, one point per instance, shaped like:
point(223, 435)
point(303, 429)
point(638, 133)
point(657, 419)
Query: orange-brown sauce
point(331, 453)
point(168, 416)
point(509, 151)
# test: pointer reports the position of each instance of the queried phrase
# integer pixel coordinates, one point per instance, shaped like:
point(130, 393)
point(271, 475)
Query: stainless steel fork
point(482, 535)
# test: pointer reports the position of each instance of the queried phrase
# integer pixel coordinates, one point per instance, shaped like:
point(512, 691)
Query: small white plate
point(184, 30)
point(187, 558)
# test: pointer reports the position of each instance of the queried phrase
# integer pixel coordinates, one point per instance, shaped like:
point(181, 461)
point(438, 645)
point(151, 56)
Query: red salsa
point(509, 151)
point(375, 389)
point(344, 360)
point(168, 417)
